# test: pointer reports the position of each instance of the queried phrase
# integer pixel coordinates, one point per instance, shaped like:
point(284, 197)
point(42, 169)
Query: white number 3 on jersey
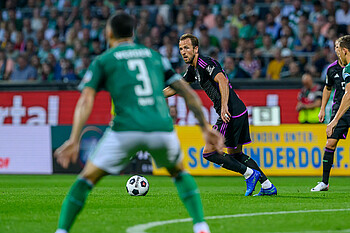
point(146, 88)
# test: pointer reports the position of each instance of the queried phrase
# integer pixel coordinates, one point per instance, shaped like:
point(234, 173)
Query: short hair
point(194, 40)
point(122, 25)
point(344, 42)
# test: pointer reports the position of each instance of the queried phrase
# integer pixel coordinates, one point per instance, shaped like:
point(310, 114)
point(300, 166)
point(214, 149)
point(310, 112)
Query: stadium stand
point(59, 38)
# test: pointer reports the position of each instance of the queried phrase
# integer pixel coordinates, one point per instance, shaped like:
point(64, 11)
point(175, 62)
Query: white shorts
point(115, 149)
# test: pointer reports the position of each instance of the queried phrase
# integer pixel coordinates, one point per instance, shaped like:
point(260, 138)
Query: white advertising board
point(25, 150)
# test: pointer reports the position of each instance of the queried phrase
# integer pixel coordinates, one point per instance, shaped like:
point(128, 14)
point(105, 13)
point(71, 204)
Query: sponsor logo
point(34, 115)
point(210, 69)
point(4, 162)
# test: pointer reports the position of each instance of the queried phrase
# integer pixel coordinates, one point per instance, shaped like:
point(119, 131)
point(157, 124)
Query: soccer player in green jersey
point(135, 76)
point(344, 55)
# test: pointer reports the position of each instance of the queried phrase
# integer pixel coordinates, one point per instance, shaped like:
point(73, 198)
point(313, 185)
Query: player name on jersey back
point(132, 53)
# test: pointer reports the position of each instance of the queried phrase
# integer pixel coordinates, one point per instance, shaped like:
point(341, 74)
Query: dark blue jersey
point(334, 78)
point(205, 72)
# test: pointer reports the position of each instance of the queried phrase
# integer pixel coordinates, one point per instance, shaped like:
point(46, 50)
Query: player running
point(134, 76)
point(334, 78)
point(233, 116)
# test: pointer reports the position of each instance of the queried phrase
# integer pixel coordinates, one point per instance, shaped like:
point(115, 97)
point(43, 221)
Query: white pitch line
point(141, 228)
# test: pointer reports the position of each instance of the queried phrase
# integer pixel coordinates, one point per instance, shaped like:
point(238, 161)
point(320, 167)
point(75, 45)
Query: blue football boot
point(251, 182)
point(267, 192)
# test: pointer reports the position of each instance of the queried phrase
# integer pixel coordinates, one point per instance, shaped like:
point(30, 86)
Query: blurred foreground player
point(233, 117)
point(134, 76)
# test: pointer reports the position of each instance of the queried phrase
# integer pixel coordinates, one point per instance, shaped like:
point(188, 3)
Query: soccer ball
point(137, 186)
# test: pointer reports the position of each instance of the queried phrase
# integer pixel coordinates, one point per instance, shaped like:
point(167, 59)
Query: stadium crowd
point(55, 40)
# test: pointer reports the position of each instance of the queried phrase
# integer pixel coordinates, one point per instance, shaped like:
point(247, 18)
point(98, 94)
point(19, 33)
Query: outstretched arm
point(68, 152)
point(344, 106)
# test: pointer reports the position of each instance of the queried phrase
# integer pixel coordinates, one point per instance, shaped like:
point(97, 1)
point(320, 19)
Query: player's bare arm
point(344, 106)
point(224, 90)
point(68, 152)
point(194, 104)
point(327, 90)
point(168, 91)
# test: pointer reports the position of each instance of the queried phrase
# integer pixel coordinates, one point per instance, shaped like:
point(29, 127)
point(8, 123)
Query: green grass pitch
point(32, 204)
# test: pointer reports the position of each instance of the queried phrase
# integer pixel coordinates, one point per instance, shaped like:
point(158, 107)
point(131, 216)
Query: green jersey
point(346, 74)
point(135, 77)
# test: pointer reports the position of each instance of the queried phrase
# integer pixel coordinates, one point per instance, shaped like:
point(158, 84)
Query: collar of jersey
point(125, 43)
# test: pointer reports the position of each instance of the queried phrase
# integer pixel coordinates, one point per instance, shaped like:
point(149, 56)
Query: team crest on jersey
point(210, 69)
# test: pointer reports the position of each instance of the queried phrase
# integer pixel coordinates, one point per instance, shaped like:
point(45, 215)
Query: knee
point(331, 144)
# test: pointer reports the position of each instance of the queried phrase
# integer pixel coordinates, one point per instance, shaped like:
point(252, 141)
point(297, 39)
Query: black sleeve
point(213, 68)
point(329, 78)
point(189, 75)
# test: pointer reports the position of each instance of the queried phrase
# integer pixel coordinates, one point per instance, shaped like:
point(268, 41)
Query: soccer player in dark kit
point(334, 79)
point(233, 117)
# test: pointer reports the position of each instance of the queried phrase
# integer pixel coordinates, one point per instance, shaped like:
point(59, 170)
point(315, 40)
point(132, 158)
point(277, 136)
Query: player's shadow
point(281, 196)
point(299, 197)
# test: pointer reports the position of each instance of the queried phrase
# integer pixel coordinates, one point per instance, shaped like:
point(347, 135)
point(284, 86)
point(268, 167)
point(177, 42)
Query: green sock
point(73, 203)
point(189, 194)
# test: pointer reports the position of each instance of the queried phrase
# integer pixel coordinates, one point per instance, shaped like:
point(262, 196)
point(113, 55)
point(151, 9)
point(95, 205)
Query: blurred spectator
point(36, 23)
point(19, 44)
point(233, 70)
point(247, 31)
point(83, 68)
point(221, 30)
point(28, 32)
point(204, 46)
point(10, 51)
point(317, 12)
point(309, 100)
point(342, 15)
point(67, 72)
point(287, 57)
point(308, 44)
point(295, 15)
point(236, 16)
point(23, 71)
point(61, 28)
point(274, 68)
point(204, 32)
point(6, 66)
point(95, 28)
point(275, 10)
point(173, 114)
point(155, 38)
point(260, 32)
point(294, 70)
point(95, 48)
point(267, 48)
point(35, 62)
point(170, 51)
point(44, 50)
point(163, 28)
point(226, 49)
point(250, 65)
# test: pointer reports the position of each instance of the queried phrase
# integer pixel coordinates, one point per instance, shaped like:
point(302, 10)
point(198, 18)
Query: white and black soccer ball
point(137, 186)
